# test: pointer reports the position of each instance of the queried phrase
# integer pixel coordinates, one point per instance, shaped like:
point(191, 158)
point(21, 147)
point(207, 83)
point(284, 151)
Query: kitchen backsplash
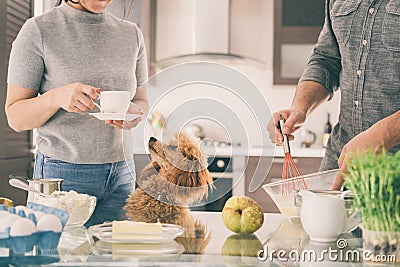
point(228, 106)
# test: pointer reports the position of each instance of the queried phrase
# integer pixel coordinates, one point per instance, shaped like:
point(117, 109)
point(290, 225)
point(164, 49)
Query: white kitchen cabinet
point(297, 25)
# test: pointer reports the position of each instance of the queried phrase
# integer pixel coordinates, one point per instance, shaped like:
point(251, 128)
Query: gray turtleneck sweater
point(65, 46)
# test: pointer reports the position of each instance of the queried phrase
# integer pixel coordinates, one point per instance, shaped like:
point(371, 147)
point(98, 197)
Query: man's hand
point(309, 95)
point(369, 139)
point(294, 119)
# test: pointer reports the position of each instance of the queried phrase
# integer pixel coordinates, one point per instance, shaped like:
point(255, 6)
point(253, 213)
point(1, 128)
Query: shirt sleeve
point(324, 65)
point(141, 64)
point(26, 64)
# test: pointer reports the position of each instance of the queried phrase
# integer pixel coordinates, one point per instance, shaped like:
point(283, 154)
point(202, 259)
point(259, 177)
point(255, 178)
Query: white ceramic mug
point(114, 101)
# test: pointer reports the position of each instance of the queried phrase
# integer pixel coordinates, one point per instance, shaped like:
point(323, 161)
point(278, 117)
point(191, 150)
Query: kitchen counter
point(219, 247)
point(317, 152)
point(266, 152)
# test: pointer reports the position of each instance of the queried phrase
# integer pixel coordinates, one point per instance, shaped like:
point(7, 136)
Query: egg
point(3, 214)
point(12, 210)
point(22, 211)
point(20, 207)
point(49, 222)
point(7, 221)
point(39, 214)
point(22, 227)
point(26, 210)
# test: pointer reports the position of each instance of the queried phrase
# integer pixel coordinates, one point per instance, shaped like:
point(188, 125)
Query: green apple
point(242, 215)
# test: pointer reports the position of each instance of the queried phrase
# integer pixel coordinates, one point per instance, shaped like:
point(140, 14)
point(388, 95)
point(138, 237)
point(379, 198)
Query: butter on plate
point(135, 230)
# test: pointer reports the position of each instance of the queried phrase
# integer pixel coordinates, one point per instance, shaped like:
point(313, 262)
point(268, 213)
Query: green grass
point(375, 181)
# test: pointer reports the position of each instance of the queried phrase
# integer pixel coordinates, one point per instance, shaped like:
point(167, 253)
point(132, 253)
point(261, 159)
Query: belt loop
point(38, 167)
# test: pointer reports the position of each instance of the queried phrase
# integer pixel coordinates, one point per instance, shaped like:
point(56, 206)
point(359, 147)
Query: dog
point(176, 177)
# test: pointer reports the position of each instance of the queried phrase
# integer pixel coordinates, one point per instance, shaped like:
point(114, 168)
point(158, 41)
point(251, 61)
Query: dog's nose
point(152, 139)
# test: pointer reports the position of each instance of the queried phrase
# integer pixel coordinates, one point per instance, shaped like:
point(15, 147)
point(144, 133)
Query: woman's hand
point(76, 97)
point(294, 119)
point(127, 125)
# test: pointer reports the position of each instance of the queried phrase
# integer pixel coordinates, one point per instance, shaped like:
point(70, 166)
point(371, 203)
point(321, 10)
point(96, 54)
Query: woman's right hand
point(294, 119)
point(76, 97)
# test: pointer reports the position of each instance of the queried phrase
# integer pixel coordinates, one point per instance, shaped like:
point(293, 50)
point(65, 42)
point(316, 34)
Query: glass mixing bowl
point(314, 181)
point(289, 203)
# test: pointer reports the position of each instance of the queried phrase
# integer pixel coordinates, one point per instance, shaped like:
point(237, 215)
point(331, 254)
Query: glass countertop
point(209, 243)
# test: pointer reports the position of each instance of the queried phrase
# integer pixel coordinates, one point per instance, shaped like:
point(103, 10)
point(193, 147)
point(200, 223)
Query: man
point(359, 50)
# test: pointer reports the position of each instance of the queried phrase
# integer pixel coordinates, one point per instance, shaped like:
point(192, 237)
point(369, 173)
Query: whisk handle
point(286, 147)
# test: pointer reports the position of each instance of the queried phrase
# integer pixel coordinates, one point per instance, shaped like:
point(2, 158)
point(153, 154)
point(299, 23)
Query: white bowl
point(79, 206)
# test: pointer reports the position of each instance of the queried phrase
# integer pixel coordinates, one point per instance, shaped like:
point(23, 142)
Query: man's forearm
point(390, 127)
point(309, 95)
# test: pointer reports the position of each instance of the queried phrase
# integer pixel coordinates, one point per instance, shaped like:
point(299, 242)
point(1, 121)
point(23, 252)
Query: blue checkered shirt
point(358, 51)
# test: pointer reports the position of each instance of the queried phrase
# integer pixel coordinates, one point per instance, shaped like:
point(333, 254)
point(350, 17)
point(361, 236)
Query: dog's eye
point(173, 147)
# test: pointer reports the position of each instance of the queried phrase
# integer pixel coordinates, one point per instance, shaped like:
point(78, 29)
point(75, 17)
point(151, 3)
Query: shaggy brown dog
point(176, 177)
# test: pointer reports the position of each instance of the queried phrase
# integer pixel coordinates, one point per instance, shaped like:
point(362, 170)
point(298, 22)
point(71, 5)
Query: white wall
point(42, 6)
point(276, 97)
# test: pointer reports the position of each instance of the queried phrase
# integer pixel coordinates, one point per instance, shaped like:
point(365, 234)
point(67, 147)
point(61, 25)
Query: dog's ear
point(156, 166)
point(199, 174)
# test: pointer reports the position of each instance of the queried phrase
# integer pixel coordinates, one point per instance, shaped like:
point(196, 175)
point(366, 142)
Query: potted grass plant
point(375, 182)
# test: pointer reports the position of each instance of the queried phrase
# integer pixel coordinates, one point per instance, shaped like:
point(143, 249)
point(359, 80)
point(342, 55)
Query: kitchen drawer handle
point(221, 175)
point(282, 160)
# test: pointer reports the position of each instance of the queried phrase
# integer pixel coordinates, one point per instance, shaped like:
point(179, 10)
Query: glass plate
point(104, 232)
point(125, 249)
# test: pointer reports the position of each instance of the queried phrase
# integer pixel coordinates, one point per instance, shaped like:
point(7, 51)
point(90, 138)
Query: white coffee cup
point(114, 101)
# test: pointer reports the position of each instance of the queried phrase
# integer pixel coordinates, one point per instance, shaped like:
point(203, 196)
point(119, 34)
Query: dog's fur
point(176, 177)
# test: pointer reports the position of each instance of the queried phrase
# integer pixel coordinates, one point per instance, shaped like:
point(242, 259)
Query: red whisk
point(290, 169)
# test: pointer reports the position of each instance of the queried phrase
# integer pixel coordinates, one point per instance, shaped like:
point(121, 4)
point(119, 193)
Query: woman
point(59, 63)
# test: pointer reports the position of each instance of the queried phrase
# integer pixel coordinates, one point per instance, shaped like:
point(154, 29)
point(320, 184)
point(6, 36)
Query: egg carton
point(45, 240)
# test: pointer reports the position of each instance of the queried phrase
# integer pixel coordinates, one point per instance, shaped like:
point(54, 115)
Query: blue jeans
point(110, 183)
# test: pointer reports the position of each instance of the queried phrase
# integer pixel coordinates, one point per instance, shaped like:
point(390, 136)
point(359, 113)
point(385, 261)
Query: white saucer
point(115, 116)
